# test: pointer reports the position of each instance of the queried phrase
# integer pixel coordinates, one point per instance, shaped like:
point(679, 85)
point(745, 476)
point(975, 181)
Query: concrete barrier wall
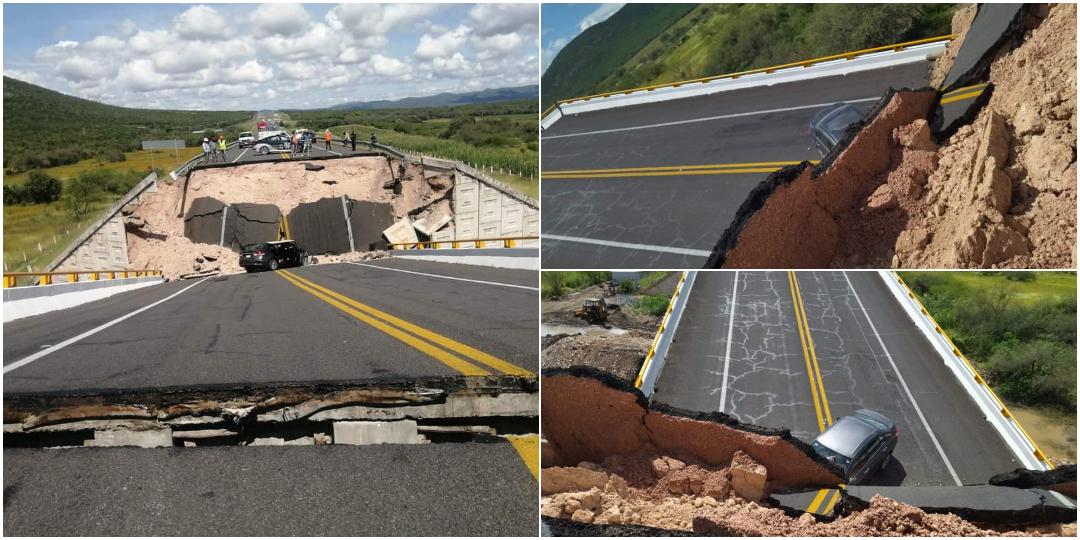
point(20, 302)
point(992, 408)
point(872, 61)
point(104, 243)
point(654, 361)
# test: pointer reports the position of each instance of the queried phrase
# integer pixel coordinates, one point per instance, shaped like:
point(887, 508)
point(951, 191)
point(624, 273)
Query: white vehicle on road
point(246, 139)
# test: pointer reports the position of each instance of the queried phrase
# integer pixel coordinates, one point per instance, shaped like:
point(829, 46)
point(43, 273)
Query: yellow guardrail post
point(9, 281)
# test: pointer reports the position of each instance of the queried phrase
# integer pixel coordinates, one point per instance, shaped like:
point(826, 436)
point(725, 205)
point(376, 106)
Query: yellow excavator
point(594, 310)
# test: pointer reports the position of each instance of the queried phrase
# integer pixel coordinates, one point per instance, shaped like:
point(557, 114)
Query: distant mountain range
point(445, 99)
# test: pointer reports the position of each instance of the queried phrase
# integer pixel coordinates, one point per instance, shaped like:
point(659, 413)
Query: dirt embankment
point(1004, 192)
point(155, 228)
point(818, 221)
point(590, 416)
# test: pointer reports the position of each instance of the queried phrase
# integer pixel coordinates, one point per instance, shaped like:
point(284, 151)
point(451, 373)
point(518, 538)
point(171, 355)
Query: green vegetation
point(650, 304)
point(553, 285)
point(40, 232)
point(580, 67)
point(501, 136)
point(39, 189)
point(714, 39)
point(1019, 328)
point(43, 128)
point(652, 278)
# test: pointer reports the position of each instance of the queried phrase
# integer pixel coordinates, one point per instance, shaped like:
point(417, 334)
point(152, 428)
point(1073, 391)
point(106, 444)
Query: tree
point(80, 193)
point(41, 188)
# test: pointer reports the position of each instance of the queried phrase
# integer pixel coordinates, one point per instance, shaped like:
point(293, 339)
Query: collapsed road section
point(613, 464)
point(380, 387)
point(996, 188)
point(349, 207)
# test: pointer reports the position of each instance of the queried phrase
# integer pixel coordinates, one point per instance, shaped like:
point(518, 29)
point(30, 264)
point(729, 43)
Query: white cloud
point(297, 70)
point(104, 44)
point(492, 19)
point(56, 51)
point(201, 22)
point(140, 75)
point(598, 16)
point(144, 42)
point(497, 45)
point(78, 69)
point(388, 66)
point(361, 20)
point(442, 45)
point(187, 59)
point(127, 28)
point(318, 40)
point(281, 19)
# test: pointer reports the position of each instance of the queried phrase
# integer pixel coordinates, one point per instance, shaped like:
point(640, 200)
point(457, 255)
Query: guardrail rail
point(73, 276)
point(654, 360)
point(995, 410)
point(508, 242)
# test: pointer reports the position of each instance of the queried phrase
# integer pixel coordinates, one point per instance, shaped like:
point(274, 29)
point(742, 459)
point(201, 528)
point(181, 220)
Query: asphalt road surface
point(330, 322)
point(318, 149)
point(693, 161)
point(449, 489)
point(864, 351)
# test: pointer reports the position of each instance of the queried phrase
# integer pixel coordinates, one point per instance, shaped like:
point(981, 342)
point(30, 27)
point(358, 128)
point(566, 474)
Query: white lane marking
point(325, 150)
point(903, 383)
point(706, 119)
point(446, 277)
point(241, 155)
point(727, 352)
point(626, 245)
point(41, 354)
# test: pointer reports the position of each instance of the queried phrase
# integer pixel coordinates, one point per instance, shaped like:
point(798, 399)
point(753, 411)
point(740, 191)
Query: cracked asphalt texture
point(260, 328)
point(448, 489)
point(685, 212)
point(768, 385)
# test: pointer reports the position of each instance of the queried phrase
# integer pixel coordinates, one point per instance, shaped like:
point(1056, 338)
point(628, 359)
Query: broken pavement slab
point(980, 503)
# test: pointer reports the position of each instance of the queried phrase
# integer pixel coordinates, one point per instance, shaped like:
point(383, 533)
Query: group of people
point(214, 151)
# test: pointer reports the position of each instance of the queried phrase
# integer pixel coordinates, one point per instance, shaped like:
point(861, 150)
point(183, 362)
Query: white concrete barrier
point(867, 62)
point(991, 406)
point(654, 360)
point(20, 302)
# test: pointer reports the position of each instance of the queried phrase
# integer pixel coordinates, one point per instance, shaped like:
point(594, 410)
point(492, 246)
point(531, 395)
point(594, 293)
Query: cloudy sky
point(248, 56)
point(563, 22)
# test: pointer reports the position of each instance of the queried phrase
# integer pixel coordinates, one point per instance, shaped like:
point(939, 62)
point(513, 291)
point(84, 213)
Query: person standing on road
point(308, 139)
point(222, 146)
point(295, 145)
point(352, 139)
point(206, 149)
point(328, 136)
point(374, 141)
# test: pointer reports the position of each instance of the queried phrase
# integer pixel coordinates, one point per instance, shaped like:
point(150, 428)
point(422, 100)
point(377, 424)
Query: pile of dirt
point(355, 256)
point(667, 493)
point(1003, 193)
point(618, 355)
point(155, 230)
point(961, 22)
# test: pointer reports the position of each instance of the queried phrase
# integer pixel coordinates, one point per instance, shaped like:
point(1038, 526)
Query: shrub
point(652, 304)
point(41, 188)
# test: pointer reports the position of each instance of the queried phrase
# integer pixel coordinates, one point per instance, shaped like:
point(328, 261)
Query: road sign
point(163, 145)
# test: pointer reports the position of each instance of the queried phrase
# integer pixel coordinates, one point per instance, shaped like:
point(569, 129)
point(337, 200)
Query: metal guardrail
point(1002, 409)
point(654, 360)
point(477, 243)
point(47, 278)
point(765, 70)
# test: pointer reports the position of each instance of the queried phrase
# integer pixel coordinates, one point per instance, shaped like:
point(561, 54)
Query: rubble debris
point(1061, 479)
point(984, 504)
point(313, 167)
point(620, 356)
point(401, 232)
point(589, 415)
point(1004, 192)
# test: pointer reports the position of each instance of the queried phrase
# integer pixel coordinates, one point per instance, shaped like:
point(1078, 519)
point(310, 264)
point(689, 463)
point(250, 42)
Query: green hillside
point(43, 128)
point(580, 66)
point(713, 39)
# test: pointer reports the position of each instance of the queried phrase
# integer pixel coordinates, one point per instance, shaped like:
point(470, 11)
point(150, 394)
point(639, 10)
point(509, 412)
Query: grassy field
point(1019, 328)
point(518, 169)
point(48, 224)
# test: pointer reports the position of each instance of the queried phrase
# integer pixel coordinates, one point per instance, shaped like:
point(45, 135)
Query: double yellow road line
point(961, 94)
point(454, 354)
point(825, 499)
point(671, 170)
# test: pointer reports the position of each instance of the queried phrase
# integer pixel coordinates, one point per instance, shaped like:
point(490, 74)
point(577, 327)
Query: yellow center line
point(960, 97)
point(471, 353)
point(832, 502)
point(814, 504)
point(813, 353)
point(678, 167)
point(446, 358)
point(528, 447)
point(979, 86)
point(670, 170)
point(806, 354)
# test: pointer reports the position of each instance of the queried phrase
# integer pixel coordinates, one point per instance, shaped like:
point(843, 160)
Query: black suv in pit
point(272, 255)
